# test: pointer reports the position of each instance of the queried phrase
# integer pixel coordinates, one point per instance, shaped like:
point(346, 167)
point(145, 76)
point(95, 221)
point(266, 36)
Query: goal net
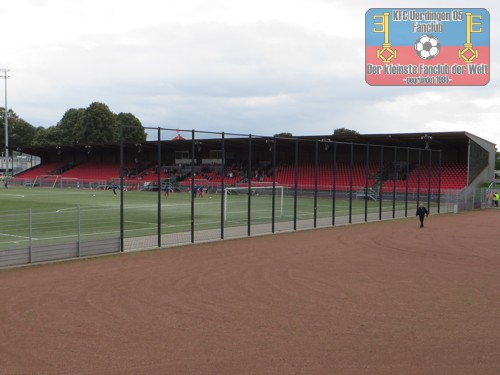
point(45, 180)
point(236, 201)
point(69, 182)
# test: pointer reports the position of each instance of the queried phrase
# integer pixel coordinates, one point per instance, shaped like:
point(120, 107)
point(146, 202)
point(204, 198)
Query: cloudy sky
point(239, 66)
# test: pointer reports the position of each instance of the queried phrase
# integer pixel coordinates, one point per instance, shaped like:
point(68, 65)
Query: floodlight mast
point(5, 77)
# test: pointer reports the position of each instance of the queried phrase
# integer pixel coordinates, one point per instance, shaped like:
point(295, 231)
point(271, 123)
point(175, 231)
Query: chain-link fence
point(196, 186)
point(262, 185)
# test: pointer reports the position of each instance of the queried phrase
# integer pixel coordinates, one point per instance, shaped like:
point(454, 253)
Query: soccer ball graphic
point(427, 47)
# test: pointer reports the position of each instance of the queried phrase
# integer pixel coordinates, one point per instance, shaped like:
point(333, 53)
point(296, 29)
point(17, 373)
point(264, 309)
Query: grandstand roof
point(437, 141)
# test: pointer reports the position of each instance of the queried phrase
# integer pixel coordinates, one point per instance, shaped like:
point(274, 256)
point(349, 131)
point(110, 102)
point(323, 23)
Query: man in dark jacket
point(422, 212)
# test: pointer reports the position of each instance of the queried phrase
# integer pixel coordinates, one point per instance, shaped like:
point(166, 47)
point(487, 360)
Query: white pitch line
point(13, 235)
point(83, 208)
point(155, 224)
point(11, 195)
point(139, 222)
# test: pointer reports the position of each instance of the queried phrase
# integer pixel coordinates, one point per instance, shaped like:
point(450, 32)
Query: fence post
point(30, 219)
point(394, 177)
point(334, 182)
point(380, 190)
point(122, 231)
point(315, 183)
point(273, 211)
point(439, 181)
point(367, 171)
point(429, 180)
point(249, 178)
point(78, 229)
point(407, 179)
point(158, 171)
point(418, 176)
point(351, 172)
point(222, 186)
point(296, 183)
point(193, 192)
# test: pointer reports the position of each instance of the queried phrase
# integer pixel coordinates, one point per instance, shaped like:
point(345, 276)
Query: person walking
point(495, 197)
point(422, 212)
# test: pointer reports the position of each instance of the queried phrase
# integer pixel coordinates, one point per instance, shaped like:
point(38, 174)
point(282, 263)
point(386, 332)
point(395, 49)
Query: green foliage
point(96, 126)
point(68, 124)
point(344, 131)
point(133, 129)
point(20, 132)
point(46, 136)
point(284, 135)
point(497, 161)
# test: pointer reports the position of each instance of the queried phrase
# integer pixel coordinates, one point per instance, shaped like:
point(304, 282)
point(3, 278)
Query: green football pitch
point(48, 215)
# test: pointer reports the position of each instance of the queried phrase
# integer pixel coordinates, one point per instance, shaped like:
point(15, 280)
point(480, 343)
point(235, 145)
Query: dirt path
point(376, 298)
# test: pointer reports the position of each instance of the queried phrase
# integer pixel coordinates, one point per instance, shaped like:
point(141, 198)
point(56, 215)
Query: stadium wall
point(53, 252)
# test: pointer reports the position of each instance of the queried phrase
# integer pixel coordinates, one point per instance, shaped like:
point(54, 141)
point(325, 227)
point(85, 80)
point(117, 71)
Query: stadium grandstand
point(386, 161)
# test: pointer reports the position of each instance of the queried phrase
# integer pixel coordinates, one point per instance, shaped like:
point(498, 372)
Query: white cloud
point(264, 66)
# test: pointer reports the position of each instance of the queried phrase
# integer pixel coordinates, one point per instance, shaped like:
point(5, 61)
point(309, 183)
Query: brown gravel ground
point(376, 298)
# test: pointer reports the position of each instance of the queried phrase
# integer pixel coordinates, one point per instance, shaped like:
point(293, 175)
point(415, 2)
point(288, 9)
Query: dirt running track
point(378, 298)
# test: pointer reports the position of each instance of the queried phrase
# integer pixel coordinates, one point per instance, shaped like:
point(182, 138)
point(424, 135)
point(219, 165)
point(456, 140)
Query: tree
point(41, 137)
point(94, 124)
point(47, 136)
point(21, 133)
point(344, 131)
point(133, 130)
point(68, 125)
point(284, 135)
point(97, 126)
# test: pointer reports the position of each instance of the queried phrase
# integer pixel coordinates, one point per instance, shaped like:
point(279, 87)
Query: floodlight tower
point(5, 77)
